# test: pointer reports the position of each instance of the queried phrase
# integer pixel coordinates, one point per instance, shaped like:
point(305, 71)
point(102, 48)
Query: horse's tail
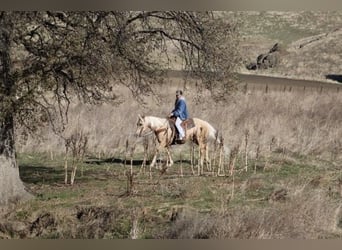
point(215, 135)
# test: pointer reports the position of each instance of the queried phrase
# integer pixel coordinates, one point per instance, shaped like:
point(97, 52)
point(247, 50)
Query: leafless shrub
point(233, 157)
point(130, 146)
point(76, 144)
point(135, 229)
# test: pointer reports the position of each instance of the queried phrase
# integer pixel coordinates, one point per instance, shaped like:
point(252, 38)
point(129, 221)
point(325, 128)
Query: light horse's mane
point(201, 134)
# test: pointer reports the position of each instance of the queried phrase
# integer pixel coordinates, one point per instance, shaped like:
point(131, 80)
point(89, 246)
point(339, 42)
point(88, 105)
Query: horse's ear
point(141, 117)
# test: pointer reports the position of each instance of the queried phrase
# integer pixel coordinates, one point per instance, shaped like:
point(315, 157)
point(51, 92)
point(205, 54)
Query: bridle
point(147, 133)
point(156, 132)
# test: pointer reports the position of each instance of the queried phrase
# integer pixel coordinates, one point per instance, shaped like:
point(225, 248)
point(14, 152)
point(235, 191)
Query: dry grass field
point(291, 186)
point(282, 179)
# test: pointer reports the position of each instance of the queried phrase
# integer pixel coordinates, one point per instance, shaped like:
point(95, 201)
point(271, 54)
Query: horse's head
point(142, 126)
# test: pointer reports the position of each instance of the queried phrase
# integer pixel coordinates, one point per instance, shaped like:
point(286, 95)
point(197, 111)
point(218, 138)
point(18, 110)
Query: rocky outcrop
point(268, 60)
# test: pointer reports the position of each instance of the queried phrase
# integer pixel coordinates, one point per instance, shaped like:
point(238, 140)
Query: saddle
point(186, 124)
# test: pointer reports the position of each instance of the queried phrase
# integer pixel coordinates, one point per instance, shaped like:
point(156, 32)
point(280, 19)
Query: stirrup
point(180, 141)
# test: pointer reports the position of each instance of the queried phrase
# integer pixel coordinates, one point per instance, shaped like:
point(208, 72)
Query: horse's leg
point(205, 156)
point(192, 156)
point(154, 158)
point(196, 138)
point(143, 164)
point(202, 150)
point(200, 157)
point(221, 161)
point(204, 153)
point(199, 161)
point(170, 161)
point(207, 159)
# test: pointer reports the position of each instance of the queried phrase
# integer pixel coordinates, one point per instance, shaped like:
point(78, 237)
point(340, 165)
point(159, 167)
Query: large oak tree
point(48, 58)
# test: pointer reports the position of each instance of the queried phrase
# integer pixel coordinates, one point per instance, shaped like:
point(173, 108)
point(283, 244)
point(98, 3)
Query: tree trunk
point(11, 187)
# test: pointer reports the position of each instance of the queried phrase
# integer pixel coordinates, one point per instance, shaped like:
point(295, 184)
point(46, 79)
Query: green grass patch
point(104, 182)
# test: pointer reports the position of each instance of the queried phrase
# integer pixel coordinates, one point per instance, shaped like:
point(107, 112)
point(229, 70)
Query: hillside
point(311, 42)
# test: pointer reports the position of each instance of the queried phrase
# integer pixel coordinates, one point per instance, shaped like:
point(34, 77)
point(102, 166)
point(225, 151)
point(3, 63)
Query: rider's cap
point(179, 92)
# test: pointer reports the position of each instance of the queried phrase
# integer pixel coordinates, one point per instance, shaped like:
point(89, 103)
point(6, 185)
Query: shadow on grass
point(337, 78)
point(40, 175)
point(97, 161)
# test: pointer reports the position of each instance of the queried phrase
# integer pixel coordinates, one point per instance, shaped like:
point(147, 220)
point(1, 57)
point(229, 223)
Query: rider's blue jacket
point(180, 109)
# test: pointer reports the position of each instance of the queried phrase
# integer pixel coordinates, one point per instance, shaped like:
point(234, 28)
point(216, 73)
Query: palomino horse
point(201, 133)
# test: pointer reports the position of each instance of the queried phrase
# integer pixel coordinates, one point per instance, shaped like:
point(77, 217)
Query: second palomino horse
point(201, 133)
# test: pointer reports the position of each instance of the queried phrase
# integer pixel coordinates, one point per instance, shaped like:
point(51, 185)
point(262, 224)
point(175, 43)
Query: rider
point(180, 112)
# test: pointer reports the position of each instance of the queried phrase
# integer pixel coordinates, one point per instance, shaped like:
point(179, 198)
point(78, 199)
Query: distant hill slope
point(315, 57)
point(312, 42)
